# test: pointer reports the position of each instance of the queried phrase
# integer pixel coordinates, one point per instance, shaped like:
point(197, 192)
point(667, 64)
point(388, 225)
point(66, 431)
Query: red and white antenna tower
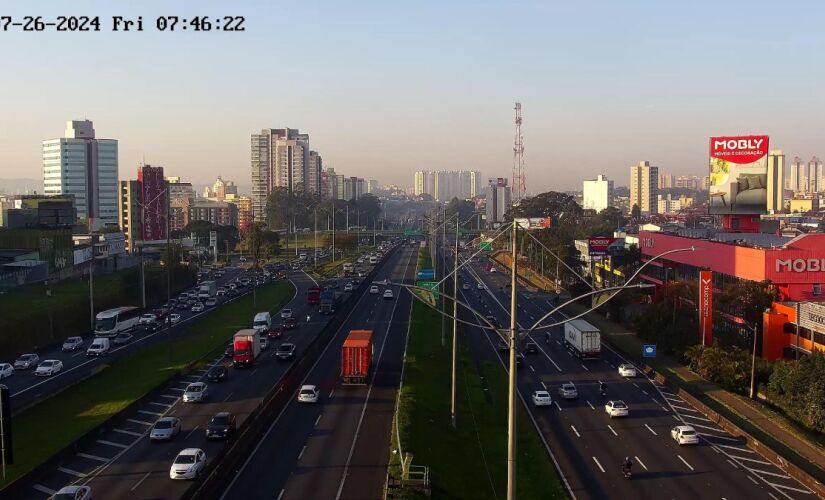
point(519, 180)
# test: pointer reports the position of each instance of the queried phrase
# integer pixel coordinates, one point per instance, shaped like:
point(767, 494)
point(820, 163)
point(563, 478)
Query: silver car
point(26, 361)
point(195, 392)
point(568, 391)
point(165, 429)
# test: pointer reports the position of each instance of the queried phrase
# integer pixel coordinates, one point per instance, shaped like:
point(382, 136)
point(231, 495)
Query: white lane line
point(557, 405)
point(281, 494)
point(227, 397)
point(531, 368)
point(641, 463)
point(749, 460)
point(645, 392)
point(112, 443)
point(682, 408)
point(153, 413)
point(574, 430)
point(317, 420)
point(133, 488)
point(696, 417)
point(177, 389)
point(330, 394)
point(611, 430)
point(71, 472)
point(785, 487)
point(93, 457)
point(193, 377)
point(685, 462)
point(165, 405)
point(585, 368)
point(168, 396)
point(700, 426)
point(598, 464)
point(773, 496)
point(635, 385)
point(753, 480)
point(651, 430)
point(733, 463)
point(139, 422)
point(190, 433)
point(675, 418)
point(591, 405)
point(774, 474)
point(302, 452)
point(77, 354)
point(128, 433)
point(737, 448)
point(543, 385)
point(43, 489)
point(706, 435)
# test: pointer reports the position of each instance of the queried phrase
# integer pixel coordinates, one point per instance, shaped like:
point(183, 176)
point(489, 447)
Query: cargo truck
point(247, 346)
point(329, 301)
point(313, 295)
point(582, 339)
point(356, 357)
point(207, 289)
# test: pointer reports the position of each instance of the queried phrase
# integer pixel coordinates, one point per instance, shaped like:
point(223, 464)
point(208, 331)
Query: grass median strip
point(50, 426)
point(469, 461)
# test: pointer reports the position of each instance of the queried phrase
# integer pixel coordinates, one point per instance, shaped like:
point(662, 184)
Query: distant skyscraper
point(799, 181)
point(644, 187)
point(498, 200)
point(181, 195)
point(445, 185)
point(597, 193)
point(666, 181)
point(220, 189)
point(815, 176)
point(85, 167)
point(776, 175)
point(314, 168)
point(353, 188)
point(153, 203)
point(280, 158)
point(129, 213)
point(372, 186)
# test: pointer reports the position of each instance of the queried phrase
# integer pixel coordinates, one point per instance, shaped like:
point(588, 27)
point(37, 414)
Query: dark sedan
point(217, 373)
point(221, 426)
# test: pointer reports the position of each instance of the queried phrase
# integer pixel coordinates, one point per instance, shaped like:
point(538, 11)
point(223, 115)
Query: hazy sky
point(385, 88)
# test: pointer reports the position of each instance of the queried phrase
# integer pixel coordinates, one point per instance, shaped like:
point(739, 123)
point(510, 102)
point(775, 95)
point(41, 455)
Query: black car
point(220, 426)
point(285, 351)
point(492, 320)
point(289, 324)
point(153, 326)
point(183, 304)
point(217, 373)
point(531, 348)
point(230, 351)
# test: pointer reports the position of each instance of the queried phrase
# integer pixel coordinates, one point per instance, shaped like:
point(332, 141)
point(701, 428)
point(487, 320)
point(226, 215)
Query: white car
point(480, 286)
point(684, 434)
point(568, 391)
point(465, 286)
point(174, 318)
point(198, 307)
point(188, 464)
point(308, 394)
point(542, 398)
point(627, 370)
point(221, 292)
point(373, 289)
point(48, 367)
point(210, 302)
point(73, 492)
point(6, 370)
point(348, 287)
point(388, 294)
point(616, 409)
point(195, 392)
point(146, 318)
point(165, 429)
point(286, 313)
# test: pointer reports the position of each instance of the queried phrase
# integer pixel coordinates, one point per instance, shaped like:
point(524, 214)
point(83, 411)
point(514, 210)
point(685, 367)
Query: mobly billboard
point(738, 175)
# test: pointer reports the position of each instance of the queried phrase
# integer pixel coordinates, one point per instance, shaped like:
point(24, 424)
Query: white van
point(262, 322)
point(373, 259)
point(99, 346)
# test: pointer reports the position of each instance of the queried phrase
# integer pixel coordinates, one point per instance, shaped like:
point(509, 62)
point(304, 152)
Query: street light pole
point(753, 363)
point(511, 405)
point(315, 242)
point(455, 325)
point(333, 230)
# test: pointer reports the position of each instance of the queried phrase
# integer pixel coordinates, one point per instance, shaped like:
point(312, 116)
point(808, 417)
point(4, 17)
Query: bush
point(798, 388)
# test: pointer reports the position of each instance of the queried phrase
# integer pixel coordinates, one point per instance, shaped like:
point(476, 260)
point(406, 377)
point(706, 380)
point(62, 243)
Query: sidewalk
point(627, 342)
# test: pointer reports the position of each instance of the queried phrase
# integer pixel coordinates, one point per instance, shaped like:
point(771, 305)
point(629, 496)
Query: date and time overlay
point(122, 24)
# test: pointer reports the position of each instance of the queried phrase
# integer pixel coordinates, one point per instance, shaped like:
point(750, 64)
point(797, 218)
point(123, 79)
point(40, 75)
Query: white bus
point(110, 323)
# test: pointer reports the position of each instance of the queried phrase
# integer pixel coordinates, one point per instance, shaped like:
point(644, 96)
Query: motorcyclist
point(627, 465)
point(602, 388)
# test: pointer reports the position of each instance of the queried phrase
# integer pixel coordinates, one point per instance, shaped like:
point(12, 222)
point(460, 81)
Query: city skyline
point(644, 96)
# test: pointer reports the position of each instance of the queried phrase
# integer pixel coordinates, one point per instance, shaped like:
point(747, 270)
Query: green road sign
point(413, 232)
point(429, 297)
point(487, 245)
point(432, 285)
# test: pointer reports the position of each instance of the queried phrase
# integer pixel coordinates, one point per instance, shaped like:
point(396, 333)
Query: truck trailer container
point(207, 289)
point(582, 339)
point(313, 295)
point(356, 357)
point(247, 345)
point(329, 302)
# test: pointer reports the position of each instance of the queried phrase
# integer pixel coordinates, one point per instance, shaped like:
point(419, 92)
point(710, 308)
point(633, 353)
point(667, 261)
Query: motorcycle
point(626, 471)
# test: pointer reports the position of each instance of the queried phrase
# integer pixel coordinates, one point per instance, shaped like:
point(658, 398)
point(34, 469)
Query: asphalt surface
point(27, 388)
point(589, 446)
point(338, 447)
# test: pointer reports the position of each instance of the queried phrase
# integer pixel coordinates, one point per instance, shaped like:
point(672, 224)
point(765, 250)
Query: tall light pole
point(315, 242)
point(334, 208)
point(455, 325)
point(511, 404)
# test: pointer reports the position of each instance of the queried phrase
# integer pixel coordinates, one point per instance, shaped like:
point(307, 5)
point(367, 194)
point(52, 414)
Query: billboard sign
point(426, 274)
point(706, 307)
point(534, 222)
point(600, 245)
point(739, 175)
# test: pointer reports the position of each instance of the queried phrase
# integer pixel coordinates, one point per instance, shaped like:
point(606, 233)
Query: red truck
point(313, 296)
point(356, 357)
point(247, 347)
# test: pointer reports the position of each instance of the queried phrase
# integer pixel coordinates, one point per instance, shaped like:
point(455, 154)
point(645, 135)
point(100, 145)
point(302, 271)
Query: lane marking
point(574, 430)
point(317, 420)
point(733, 463)
point(737, 448)
point(753, 480)
point(704, 434)
point(645, 392)
point(543, 385)
point(696, 417)
point(112, 443)
point(93, 457)
point(598, 464)
point(781, 476)
point(685, 462)
point(557, 405)
point(281, 494)
point(227, 397)
point(749, 460)
point(153, 413)
point(635, 385)
point(302, 452)
point(784, 487)
point(71, 472)
point(591, 405)
point(531, 368)
point(190, 433)
point(133, 488)
point(330, 394)
point(139, 422)
point(651, 430)
point(611, 430)
point(585, 368)
point(165, 405)
point(129, 433)
point(641, 463)
point(43, 489)
point(168, 396)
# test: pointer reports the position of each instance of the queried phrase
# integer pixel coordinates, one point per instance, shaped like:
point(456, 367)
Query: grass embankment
point(469, 461)
point(50, 426)
point(29, 319)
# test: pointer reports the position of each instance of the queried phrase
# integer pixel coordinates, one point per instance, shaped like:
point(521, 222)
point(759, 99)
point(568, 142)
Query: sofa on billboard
point(749, 189)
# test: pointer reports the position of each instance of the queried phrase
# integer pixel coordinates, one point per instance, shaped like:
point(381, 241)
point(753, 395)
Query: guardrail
point(229, 460)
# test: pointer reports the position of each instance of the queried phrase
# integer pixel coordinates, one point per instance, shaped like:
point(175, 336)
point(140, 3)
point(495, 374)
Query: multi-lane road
point(339, 447)
point(588, 445)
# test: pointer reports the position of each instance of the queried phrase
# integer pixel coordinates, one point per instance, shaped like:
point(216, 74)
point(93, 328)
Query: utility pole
point(455, 325)
point(511, 407)
point(333, 230)
point(142, 262)
point(443, 272)
point(92, 286)
point(753, 362)
point(315, 243)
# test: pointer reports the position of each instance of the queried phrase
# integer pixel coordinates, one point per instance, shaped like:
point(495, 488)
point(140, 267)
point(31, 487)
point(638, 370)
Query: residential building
point(313, 175)
point(666, 181)
point(687, 182)
point(217, 212)
point(804, 203)
point(816, 176)
point(244, 204)
point(597, 194)
point(776, 175)
point(498, 200)
point(644, 187)
point(353, 188)
point(445, 185)
point(85, 167)
point(181, 195)
point(798, 176)
point(129, 214)
point(153, 203)
point(667, 205)
point(372, 186)
point(220, 190)
point(279, 158)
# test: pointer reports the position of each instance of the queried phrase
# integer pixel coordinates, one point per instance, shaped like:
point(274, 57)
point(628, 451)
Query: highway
point(339, 447)
point(27, 388)
point(588, 445)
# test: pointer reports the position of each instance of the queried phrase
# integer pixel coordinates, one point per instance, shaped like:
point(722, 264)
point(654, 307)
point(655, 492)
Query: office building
point(129, 214)
point(372, 186)
point(181, 195)
point(85, 167)
point(446, 185)
point(216, 212)
point(498, 200)
point(279, 158)
point(353, 188)
point(314, 169)
point(667, 205)
point(597, 194)
point(644, 187)
point(798, 176)
point(816, 182)
point(153, 203)
point(776, 175)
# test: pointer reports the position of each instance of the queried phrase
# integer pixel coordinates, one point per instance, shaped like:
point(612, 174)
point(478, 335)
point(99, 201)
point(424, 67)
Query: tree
point(636, 213)
point(464, 208)
point(259, 242)
point(172, 253)
point(748, 300)
point(560, 207)
point(369, 207)
point(287, 209)
point(798, 387)
point(345, 241)
point(202, 228)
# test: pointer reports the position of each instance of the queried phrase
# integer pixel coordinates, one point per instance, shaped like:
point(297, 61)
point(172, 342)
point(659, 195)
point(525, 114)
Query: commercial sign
point(812, 316)
point(599, 245)
point(534, 222)
point(426, 274)
point(706, 307)
point(739, 175)
point(649, 350)
point(800, 265)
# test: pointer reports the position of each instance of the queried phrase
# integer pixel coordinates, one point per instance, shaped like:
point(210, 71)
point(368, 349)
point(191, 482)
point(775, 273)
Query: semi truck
point(582, 339)
point(329, 302)
point(356, 357)
point(247, 346)
point(207, 289)
point(313, 295)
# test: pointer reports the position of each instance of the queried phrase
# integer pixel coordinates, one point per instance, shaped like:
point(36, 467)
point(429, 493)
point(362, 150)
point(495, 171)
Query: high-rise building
point(686, 182)
point(799, 179)
point(220, 190)
point(816, 182)
point(667, 205)
point(776, 175)
point(353, 188)
point(216, 212)
point(181, 195)
point(280, 158)
point(129, 213)
point(498, 200)
point(244, 204)
point(597, 194)
point(153, 203)
point(445, 185)
point(666, 181)
point(372, 186)
point(85, 167)
point(644, 187)
point(314, 169)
